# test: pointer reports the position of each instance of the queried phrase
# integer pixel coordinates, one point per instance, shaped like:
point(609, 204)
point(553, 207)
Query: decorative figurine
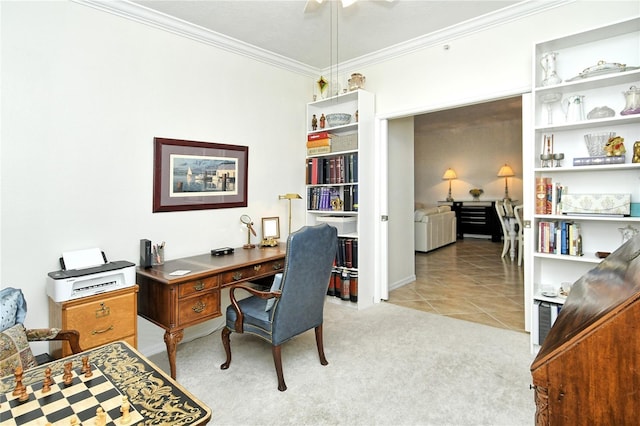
point(615, 146)
point(322, 121)
point(636, 152)
point(314, 123)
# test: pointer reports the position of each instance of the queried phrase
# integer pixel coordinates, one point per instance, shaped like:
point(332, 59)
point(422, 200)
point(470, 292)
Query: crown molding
point(141, 14)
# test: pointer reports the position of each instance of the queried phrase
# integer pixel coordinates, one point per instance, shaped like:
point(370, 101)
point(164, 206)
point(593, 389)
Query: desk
point(155, 398)
point(177, 302)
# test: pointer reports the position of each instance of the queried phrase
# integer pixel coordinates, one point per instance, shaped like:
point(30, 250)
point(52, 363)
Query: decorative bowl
point(596, 141)
point(338, 119)
point(476, 193)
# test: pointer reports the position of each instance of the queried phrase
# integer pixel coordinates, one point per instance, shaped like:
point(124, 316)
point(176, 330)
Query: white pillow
point(418, 215)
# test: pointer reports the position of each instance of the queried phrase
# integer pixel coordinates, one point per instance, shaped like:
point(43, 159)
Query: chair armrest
point(45, 334)
point(254, 292)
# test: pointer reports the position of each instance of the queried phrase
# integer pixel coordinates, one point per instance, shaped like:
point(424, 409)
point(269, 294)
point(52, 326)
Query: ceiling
point(330, 34)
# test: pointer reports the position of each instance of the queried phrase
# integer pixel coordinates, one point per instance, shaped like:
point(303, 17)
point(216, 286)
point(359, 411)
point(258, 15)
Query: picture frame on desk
point(193, 175)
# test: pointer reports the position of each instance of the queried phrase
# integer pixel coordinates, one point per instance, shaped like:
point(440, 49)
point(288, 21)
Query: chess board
point(58, 406)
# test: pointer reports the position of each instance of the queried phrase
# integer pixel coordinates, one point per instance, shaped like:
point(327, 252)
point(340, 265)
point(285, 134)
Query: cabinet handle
point(277, 266)
point(199, 286)
point(198, 307)
point(257, 268)
point(104, 311)
point(94, 332)
point(237, 276)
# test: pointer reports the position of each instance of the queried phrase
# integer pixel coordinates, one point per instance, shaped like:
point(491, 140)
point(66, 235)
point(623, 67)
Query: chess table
point(117, 370)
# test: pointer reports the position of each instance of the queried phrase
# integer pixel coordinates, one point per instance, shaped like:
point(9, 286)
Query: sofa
point(434, 227)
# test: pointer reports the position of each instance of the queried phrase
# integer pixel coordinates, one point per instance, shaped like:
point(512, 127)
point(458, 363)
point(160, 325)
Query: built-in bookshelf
point(583, 199)
point(339, 167)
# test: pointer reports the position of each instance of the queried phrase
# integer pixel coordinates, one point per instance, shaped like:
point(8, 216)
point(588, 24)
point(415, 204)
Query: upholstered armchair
point(14, 337)
point(295, 302)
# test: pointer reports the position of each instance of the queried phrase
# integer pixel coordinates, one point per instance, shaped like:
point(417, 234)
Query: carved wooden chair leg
point(277, 360)
point(227, 347)
point(320, 345)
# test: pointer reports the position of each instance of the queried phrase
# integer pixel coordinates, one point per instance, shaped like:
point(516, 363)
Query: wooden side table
point(103, 318)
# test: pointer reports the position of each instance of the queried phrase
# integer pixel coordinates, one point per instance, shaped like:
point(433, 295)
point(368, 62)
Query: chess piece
point(46, 384)
point(86, 367)
point(67, 376)
point(18, 375)
point(23, 394)
point(73, 421)
point(101, 417)
point(124, 409)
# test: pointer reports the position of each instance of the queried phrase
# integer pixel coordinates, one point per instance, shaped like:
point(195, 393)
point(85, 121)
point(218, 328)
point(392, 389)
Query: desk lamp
point(448, 175)
point(290, 196)
point(506, 172)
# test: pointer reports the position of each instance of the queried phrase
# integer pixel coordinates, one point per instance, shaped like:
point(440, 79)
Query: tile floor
point(467, 280)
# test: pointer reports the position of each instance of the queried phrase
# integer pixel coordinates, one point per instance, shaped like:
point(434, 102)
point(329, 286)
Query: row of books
point(344, 198)
point(341, 168)
point(549, 196)
point(318, 143)
point(343, 284)
point(559, 237)
point(347, 255)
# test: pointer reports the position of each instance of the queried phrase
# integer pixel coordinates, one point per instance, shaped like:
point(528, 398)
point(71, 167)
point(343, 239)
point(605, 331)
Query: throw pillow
point(12, 306)
point(277, 283)
point(15, 350)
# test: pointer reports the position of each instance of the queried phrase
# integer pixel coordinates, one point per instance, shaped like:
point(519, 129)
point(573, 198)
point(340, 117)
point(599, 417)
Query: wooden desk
point(177, 302)
point(118, 370)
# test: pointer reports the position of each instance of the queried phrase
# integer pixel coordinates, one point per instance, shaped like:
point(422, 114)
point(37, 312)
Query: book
point(318, 142)
point(317, 135)
point(319, 150)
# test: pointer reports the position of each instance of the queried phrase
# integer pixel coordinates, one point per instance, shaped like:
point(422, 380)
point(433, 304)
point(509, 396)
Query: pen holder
point(157, 256)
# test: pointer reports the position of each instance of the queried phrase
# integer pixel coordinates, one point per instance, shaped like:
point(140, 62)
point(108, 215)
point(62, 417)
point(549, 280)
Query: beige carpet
point(388, 365)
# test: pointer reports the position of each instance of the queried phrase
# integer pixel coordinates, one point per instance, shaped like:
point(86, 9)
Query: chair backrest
point(508, 208)
point(517, 212)
point(501, 214)
point(13, 307)
point(305, 280)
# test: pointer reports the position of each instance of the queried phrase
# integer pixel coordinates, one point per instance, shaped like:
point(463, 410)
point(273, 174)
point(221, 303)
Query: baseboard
point(400, 283)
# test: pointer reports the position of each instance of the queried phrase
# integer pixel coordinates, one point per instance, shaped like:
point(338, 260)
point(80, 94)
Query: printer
point(87, 272)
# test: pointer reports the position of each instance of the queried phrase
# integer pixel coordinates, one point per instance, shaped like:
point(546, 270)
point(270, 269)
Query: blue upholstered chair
point(295, 302)
point(14, 337)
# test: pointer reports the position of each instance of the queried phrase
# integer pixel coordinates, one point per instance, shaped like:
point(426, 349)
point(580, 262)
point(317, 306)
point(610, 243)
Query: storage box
point(635, 209)
point(605, 204)
point(344, 224)
point(341, 143)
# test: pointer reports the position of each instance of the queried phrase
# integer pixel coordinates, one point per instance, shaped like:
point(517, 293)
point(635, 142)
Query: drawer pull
point(237, 276)
point(94, 332)
point(257, 268)
point(277, 266)
point(198, 307)
point(199, 286)
point(104, 311)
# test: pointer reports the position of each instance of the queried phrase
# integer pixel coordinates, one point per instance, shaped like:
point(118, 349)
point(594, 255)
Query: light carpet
point(388, 365)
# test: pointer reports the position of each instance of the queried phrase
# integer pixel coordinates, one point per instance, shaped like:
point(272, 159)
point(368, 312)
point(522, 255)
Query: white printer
point(87, 272)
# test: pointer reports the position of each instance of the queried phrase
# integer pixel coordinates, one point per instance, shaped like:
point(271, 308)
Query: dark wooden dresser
point(588, 369)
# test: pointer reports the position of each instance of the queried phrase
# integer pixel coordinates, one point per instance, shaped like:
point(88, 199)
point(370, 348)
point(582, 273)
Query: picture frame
point(270, 228)
point(193, 175)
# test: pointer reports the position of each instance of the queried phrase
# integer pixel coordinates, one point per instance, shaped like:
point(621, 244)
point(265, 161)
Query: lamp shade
point(505, 171)
point(449, 174)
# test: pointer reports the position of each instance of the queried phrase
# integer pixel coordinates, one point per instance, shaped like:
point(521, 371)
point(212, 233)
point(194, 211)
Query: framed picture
point(270, 228)
point(190, 175)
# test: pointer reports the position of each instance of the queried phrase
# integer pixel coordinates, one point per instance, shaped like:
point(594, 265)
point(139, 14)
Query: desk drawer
point(246, 273)
point(199, 308)
point(197, 286)
point(103, 321)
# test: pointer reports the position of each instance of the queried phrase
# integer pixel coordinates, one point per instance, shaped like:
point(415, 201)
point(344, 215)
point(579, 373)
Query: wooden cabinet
point(476, 217)
point(586, 372)
point(100, 319)
point(595, 68)
point(349, 200)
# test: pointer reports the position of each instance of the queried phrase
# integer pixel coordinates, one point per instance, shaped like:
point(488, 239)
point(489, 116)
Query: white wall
point(83, 95)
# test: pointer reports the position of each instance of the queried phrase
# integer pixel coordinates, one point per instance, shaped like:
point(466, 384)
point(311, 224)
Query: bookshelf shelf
point(576, 53)
point(339, 185)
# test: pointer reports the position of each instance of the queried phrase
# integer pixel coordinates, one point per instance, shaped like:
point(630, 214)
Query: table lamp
point(506, 172)
point(290, 196)
point(448, 175)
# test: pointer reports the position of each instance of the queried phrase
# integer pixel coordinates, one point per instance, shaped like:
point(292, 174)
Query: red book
point(319, 135)
point(314, 171)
